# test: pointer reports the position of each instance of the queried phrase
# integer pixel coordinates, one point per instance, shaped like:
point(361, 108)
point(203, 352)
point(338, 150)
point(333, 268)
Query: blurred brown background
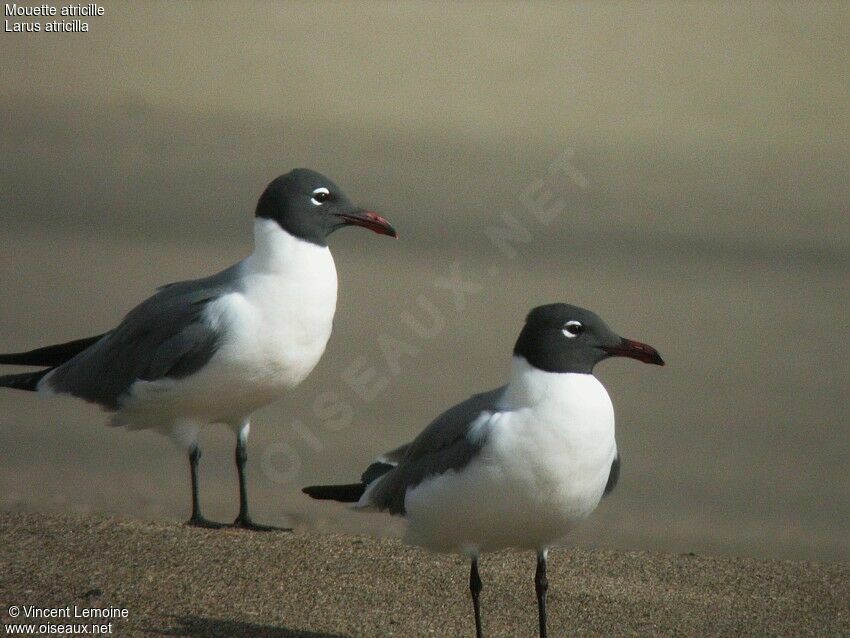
point(709, 218)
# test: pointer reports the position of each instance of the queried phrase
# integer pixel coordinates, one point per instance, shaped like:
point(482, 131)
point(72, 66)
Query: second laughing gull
point(213, 350)
point(518, 466)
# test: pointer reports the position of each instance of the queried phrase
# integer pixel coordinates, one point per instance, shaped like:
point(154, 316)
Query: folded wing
point(165, 336)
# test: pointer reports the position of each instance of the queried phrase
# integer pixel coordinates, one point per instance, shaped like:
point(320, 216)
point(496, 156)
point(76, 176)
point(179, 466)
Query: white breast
point(278, 325)
point(275, 328)
point(543, 468)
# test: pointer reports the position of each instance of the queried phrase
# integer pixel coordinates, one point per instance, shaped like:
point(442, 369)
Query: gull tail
point(25, 381)
point(351, 492)
point(50, 356)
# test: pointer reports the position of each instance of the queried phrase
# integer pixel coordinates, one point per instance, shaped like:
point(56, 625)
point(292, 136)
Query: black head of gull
point(308, 205)
point(560, 337)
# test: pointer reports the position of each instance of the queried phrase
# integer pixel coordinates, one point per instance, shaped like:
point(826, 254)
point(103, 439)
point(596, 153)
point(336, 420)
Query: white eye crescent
point(572, 329)
point(320, 196)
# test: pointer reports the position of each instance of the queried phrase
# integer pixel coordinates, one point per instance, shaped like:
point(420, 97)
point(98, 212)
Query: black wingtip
point(54, 355)
point(350, 493)
point(26, 381)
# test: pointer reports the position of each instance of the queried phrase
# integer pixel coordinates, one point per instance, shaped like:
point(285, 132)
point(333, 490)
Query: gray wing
point(613, 476)
point(164, 336)
point(394, 456)
point(442, 446)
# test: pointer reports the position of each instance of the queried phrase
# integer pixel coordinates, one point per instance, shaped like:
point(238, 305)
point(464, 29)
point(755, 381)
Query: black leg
point(475, 587)
point(244, 519)
point(197, 520)
point(241, 460)
point(541, 585)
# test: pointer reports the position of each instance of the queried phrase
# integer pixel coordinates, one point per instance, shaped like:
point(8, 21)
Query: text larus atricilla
point(213, 350)
point(518, 466)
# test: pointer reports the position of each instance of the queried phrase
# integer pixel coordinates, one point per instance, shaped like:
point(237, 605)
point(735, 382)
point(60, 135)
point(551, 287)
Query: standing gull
point(518, 466)
point(213, 350)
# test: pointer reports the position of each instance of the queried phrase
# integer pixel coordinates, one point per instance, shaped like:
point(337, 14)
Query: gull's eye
point(572, 329)
point(320, 196)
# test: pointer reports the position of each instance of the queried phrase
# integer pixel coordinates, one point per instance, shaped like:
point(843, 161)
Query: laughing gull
point(213, 350)
point(518, 466)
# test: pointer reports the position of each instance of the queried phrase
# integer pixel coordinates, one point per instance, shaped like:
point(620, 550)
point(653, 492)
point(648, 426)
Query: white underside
point(275, 330)
point(543, 468)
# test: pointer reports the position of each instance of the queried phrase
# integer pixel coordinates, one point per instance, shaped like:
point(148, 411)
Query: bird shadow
point(197, 627)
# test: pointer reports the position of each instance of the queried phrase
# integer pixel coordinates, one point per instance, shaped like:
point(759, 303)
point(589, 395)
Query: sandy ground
point(176, 581)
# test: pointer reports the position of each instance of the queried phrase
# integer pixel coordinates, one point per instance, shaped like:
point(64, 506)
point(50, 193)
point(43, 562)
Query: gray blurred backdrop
point(697, 156)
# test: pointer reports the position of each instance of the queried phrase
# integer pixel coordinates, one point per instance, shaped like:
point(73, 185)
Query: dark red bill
point(635, 350)
point(370, 220)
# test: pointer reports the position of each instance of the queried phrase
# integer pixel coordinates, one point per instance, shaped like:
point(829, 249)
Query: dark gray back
point(442, 446)
point(163, 336)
